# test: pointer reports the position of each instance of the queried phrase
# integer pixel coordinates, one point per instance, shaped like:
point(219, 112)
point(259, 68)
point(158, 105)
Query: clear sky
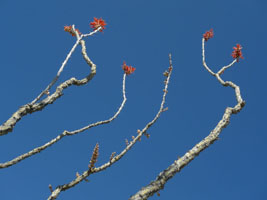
point(142, 33)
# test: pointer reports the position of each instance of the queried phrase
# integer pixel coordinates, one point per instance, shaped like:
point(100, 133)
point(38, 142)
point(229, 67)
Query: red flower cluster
point(128, 69)
point(98, 23)
point(209, 34)
point(69, 29)
point(237, 53)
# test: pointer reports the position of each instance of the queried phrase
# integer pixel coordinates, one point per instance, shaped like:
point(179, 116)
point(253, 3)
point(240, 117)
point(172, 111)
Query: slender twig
point(164, 176)
point(58, 73)
point(92, 33)
point(144, 130)
point(116, 158)
point(66, 133)
point(226, 67)
point(79, 38)
point(204, 60)
point(8, 126)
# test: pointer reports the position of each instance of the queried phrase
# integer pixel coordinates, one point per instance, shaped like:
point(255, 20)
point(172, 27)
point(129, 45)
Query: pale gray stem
point(159, 183)
point(33, 106)
point(58, 73)
point(66, 133)
point(112, 161)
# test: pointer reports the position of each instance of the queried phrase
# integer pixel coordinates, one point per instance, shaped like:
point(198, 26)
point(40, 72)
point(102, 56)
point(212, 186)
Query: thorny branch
point(37, 104)
point(67, 133)
point(8, 126)
point(79, 39)
point(176, 167)
point(116, 158)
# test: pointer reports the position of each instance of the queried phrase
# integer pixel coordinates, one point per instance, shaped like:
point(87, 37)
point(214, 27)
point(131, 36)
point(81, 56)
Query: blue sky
point(142, 33)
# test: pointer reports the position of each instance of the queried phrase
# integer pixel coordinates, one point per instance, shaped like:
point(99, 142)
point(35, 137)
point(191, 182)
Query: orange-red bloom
point(69, 29)
point(98, 23)
point(128, 69)
point(237, 53)
point(209, 34)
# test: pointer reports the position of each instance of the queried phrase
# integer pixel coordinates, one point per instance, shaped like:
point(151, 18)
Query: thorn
point(147, 135)
point(112, 156)
point(166, 73)
point(47, 92)
point(50, 188)
point(165, 109)
point(165, 90)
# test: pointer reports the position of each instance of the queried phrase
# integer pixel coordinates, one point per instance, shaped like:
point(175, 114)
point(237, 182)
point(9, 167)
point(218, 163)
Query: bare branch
point(33, 106)
point(226, 67)
point(116, 158)
point(67, 133)
point(168, 173)
point(79, 38)
point(93, 32)
point(204, 60)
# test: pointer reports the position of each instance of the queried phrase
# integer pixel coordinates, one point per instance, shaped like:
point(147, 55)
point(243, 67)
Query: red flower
point(69, 29)
point(237, 53)
point(128, 69)
point(209, 34)
point(98, 23)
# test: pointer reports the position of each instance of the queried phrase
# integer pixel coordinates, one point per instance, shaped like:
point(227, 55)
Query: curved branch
point(79, 38)
point(176, 167)
point(113, 160)
point(58, 73)
point(33, 106)
point(65, 133)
